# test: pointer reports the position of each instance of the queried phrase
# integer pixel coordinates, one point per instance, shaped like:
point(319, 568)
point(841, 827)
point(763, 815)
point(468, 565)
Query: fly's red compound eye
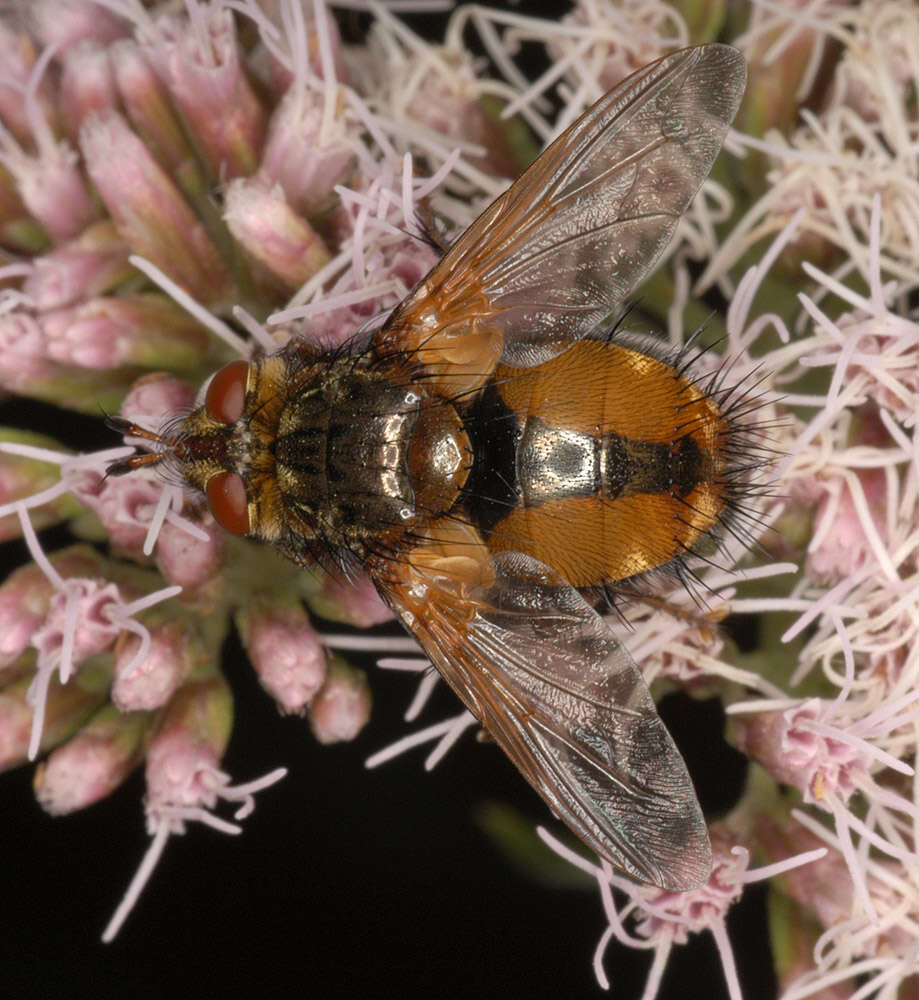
point(225, 399)
point(226, 496)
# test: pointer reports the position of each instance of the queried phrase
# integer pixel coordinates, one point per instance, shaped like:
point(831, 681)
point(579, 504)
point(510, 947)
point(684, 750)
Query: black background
point(345, 881)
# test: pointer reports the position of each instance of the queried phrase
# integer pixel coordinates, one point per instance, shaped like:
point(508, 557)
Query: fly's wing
point(559, 252)
point(562, 697)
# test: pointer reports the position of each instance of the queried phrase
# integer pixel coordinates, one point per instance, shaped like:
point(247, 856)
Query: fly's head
point(224, 448)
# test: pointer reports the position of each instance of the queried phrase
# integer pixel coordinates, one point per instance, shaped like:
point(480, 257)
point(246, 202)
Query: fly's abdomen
point(603, 463)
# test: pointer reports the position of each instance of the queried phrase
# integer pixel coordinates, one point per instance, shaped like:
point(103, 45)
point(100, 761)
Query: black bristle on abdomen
point(492, 488)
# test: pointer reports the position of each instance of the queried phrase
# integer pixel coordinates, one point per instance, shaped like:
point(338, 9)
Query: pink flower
point(79, 622)
point(184, 782)
point(846, 524)
point(147, 208)
point(87, 85)
point(663, 919)
point(93, 763)
point(353, 600)
point(201, 64)
point(272, 233)
point(184, 754)
point(304, 153)
point(798, 747)
point(147, 681)
point(341, 708)
point(183, 150)
point(124, 505)
point(285, 651)
point(66, 23)
point(153, 399)
point(84, 267)
point(397, 264)
point(190, 560)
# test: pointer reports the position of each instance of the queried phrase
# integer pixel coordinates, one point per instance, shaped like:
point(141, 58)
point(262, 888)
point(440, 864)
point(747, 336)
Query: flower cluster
point(179, 187)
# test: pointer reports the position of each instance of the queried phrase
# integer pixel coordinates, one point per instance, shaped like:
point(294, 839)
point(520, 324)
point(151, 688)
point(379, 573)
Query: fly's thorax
point(363, 457)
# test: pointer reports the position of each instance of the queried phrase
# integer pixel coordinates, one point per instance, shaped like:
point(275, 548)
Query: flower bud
point(284, 649)
point(272, 233)
point(19, 232)
point(187, 560)
point(88, 265)
point(770, 100)
point(92, 763)
point(21, 476)
point(189, 740)
point(149, 212)
point(17, 57)
point(175, 649)
point(823, 886)
point(154, 398)
point(24, 598)
point(352, 600)
point(67, 707)
point(154, 119)
point(298, 155)
point(66, 23)
point(87, 85)
point(15, 724)
point(145, 329)
point(26, 369)
point(341, 708)
point(793, 935)
point(26, 594)
point(203, 71)
point(54, 190)
point(23, 351)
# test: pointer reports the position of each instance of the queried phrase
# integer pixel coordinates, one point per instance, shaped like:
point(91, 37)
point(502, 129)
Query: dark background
point(345, 881)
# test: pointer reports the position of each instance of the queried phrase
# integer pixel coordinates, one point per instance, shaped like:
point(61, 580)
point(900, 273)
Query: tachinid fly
point(494, 458)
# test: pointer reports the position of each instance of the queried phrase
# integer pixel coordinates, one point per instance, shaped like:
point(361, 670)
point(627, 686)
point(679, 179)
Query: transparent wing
point(551, 683)
point(559, 252)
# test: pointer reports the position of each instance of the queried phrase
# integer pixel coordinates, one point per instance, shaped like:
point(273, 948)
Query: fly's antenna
point(140, 459)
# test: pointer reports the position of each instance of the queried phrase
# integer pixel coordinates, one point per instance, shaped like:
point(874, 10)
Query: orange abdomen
point(603, 463)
